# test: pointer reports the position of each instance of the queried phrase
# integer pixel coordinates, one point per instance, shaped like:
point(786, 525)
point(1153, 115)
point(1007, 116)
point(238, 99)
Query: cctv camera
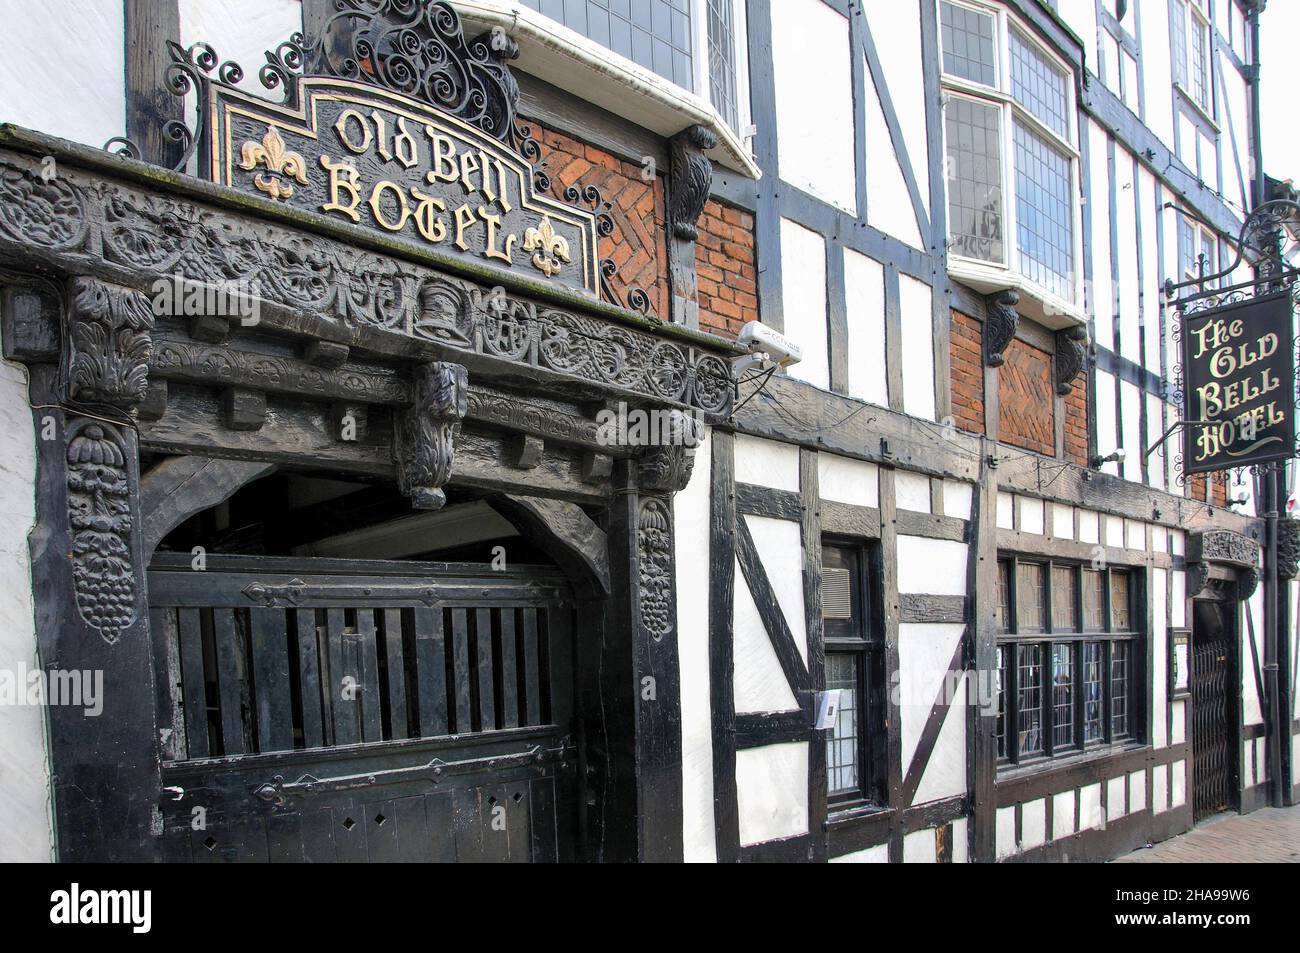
point(758, 338)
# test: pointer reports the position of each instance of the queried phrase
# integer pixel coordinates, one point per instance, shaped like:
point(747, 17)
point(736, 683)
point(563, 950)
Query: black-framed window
point(1068, 664)
point(854, 645)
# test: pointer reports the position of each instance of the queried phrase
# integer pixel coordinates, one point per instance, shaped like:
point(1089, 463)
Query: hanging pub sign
point(1239, 384)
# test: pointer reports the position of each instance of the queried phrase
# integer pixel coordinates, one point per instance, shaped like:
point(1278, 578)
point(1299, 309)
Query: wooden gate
point(322, 710)
point(1214, 713)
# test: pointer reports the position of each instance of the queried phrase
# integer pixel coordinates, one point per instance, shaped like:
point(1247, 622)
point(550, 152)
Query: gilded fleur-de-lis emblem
point(279, 161)
point(549, 249)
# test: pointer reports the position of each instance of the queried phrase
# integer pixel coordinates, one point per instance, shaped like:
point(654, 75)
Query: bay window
point(1011, 156)
point(697, 44)
point(1068, 657)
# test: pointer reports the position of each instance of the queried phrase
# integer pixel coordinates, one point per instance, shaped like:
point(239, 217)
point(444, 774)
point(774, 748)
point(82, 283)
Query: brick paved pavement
point(1269, 835)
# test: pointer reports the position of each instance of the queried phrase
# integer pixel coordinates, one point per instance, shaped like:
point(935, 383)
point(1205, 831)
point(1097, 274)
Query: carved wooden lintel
point(426, 433)
point(1000, 325)
point(692, 175)
point(666, 468)
point(1071, 353)
point(110, 341)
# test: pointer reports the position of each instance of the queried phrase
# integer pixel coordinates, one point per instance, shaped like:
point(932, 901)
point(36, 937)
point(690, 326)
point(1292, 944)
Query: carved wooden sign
point(1239, 381)
point(375, 158)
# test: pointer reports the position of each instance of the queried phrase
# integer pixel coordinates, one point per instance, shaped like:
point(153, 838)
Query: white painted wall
point(915, 299)
point(691, 538)
point(814, 105)
point(63, 68)
point(845, 480)
point(241, 31)
point(767, 463)
point(864, 295)
point(781, 551)
point(772, 792)
point(26, 834)
point(803, 301)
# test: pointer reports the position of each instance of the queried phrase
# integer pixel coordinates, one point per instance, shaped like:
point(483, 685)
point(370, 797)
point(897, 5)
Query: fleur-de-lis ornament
point(279, 161)
point(550, 250)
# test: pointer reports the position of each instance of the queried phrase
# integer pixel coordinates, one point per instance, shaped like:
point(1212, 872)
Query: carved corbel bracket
point(110, 342)
point(692, 177)
point(1228, 550)
point(426, 433)
point(1000, 325)
point(666, 467)
point(1288, 547)
point(1071, 353)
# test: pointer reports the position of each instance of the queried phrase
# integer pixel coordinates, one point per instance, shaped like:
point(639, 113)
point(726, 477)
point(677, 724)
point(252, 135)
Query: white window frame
point(740, 50)
point(1200, 236)
point(1195, 11)
point(993, 276)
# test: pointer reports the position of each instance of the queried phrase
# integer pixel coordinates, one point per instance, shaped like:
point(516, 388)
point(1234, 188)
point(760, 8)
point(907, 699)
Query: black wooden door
point(1214, 713)
point(326, 710)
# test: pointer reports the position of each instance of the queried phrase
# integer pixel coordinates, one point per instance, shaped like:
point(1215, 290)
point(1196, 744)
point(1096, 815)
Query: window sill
point(842, 814)
point(1036, 302)
point(1186, 97)
point(570, 61)
point(1050, 765)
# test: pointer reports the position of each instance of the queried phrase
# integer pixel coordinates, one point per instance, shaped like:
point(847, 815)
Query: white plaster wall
point(1090, 813)
point(917, 347)
point(1031, 515)
point(1115, 798)
point(959, 841)
point(918, 847)
point(1102, 298)
point(1131, 419)
point(1089, 527)
point(845, 480)
point(1006, 508)
point(1159, 655)
point(1137, 791)
point(79, 94)
point(803, 301)
point(758, 680)
point(872, 855)
point(1157, 71)
point(1178, 783)
point(864, 295)
point(957, 498)
point(241, 31)
point(1159, 789)
point(768, 463)
point(1005, 835)
point(772, 792)
point(924, 651)
point(1062, 814)
point(1251, 710)
point(1106, 440)
point(814, 104)
point(691, 538)
point(889, 205)
point(945, 772)
point(1033, 824)
point(1126, 230)
point(1062, 521)
point(781, 552)
point(931, 566)
point(25, 827)
point(912, 491)
point(896, 30)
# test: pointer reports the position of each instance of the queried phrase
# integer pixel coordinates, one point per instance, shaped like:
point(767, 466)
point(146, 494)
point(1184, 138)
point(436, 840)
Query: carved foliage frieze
point(1288, 547)
point(1223, 546)
point(110, 335)
point(99, 517)
point(655, 561)
point(427, 432)
point(157, 236)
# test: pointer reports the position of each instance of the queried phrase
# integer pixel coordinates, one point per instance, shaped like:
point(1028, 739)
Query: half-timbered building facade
point(388, 473)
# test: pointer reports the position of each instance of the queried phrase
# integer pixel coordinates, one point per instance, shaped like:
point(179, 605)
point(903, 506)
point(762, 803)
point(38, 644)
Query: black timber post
point(88, 574)
point(984, 574)
point(644, 618)
point(149, 104)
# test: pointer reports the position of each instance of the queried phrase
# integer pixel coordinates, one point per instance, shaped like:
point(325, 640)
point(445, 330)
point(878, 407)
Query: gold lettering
point(485, 166)
point(503, 189)
point(493, 223)
point(381, 135)
point(404, 143)
point(343, 177)
point(464, 220)
point(427, 221)
point(377, 210)
point(341, 129)
point(468, 165)
point(444, 158)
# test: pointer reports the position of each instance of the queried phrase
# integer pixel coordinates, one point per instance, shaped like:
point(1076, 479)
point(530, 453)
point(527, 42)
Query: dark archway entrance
point(1215, 707)
point(340, 679)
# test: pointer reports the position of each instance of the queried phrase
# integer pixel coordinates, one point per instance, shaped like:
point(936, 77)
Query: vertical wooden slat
point(509, 670)
point(372, 723)
point(460, 669)
point(342, 643)
point(309, 680)
point(381, 835)
point(486, 690)
point(167, 682)
point(193, 688)
point(229, 680)
point(559, 662)
point(430, 672)
point(532, 668)
point(271, 680)
point(541, 828)
point(396, 673)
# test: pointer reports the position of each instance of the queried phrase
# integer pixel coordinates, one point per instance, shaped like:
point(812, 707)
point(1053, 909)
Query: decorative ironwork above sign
point(1239, 384)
